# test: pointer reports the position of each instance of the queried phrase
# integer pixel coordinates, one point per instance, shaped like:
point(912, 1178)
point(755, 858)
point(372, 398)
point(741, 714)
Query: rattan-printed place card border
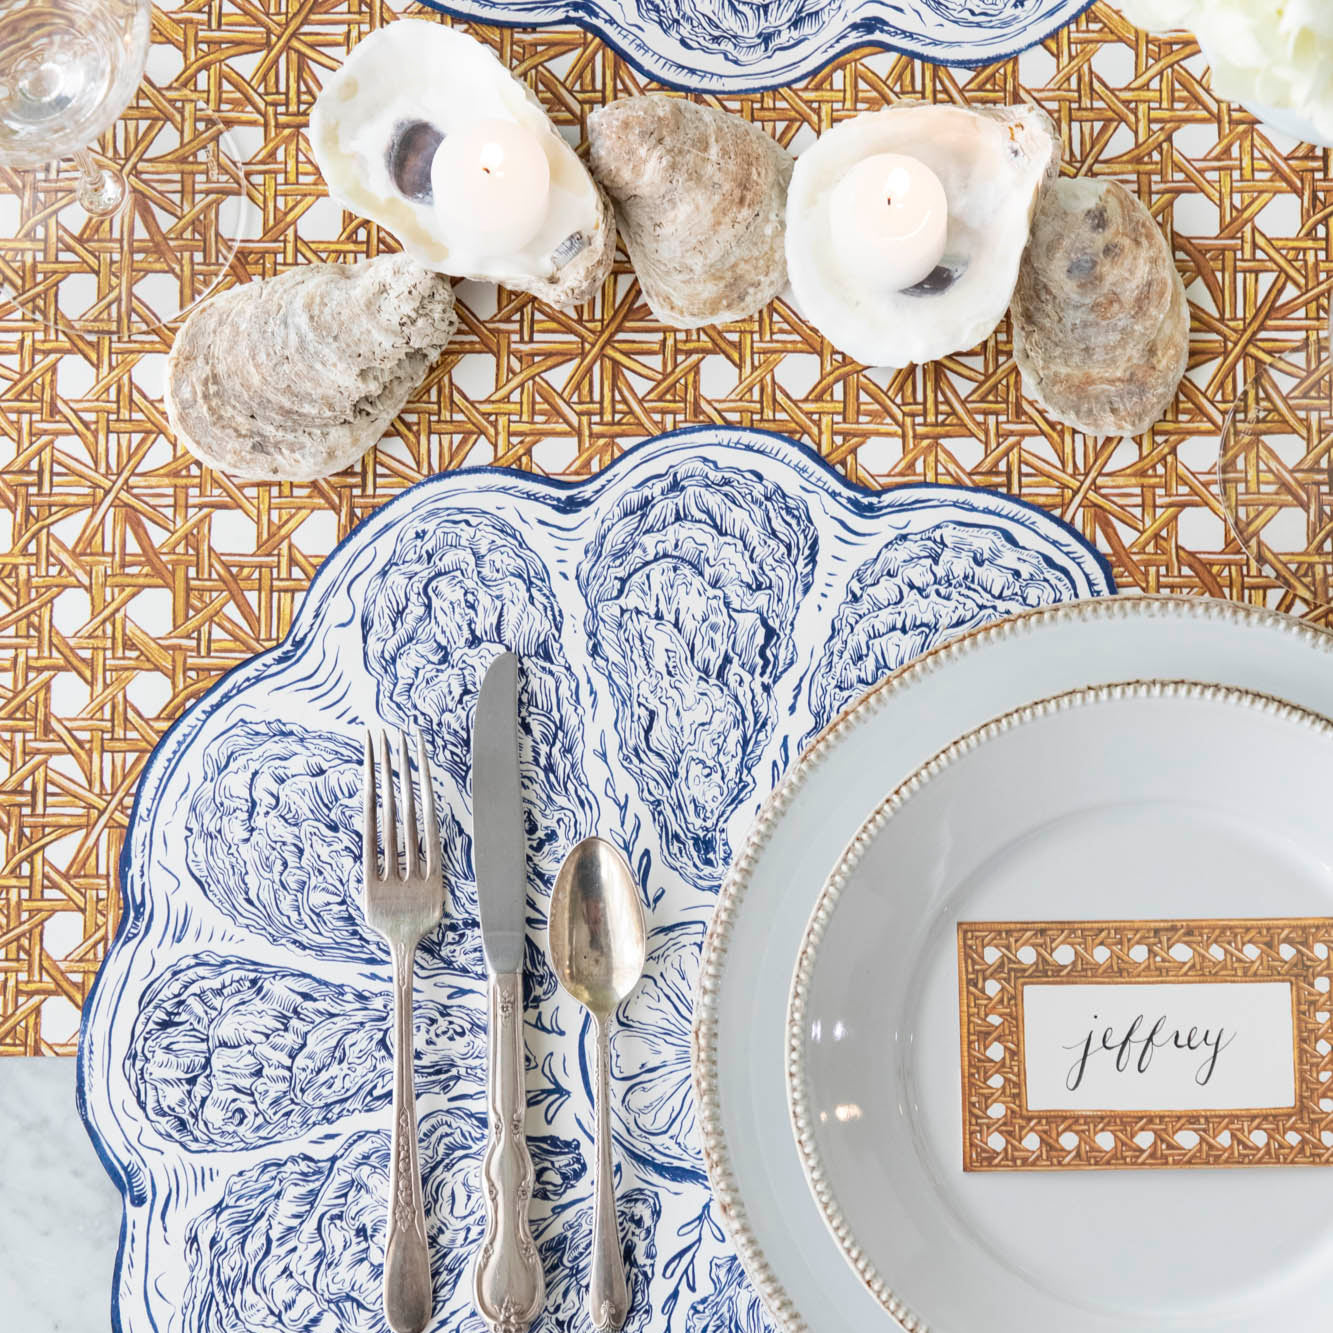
point(1070, 1029)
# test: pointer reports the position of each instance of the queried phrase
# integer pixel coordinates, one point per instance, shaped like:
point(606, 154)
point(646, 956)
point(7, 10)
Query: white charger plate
point(1128, 802)
point(740, 1012)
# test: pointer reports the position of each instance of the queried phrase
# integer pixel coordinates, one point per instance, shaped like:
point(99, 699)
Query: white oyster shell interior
point(991, 163)
point(378, 121)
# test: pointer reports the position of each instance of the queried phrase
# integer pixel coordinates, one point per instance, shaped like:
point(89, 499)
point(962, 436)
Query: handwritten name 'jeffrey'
point(1134, 1048)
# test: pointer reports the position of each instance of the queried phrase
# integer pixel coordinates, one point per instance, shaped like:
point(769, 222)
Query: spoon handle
point(608, 1294)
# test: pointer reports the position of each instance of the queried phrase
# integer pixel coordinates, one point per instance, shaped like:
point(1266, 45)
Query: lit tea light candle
point(889, 218)
point(491, 183)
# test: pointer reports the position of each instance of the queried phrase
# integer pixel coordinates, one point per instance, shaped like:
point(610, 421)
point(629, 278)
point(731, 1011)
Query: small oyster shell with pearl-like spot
point(991, 162)
point(376, 130)
point(1101, 323)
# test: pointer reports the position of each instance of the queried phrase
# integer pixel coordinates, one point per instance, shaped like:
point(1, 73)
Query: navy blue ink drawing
point(731, 46)
point(228, 1054)
point(460, 587)
point(273, 837)
point(919, 589)
point(693, 582)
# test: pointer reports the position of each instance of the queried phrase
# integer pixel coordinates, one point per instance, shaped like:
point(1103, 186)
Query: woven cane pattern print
point(995, 960)
point(132, 577)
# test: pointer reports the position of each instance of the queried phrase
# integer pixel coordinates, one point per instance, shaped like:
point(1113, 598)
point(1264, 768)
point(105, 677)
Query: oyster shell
point(379, 121)
point(700, 197)
point(991, 163)
point(295, 377)
point(1101, 323)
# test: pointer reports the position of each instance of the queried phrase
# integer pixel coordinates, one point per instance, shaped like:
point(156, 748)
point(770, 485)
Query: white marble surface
point(59, 1211)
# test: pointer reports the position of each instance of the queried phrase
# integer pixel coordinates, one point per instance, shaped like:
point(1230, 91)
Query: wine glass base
point(142, 266)
point(1275, 474)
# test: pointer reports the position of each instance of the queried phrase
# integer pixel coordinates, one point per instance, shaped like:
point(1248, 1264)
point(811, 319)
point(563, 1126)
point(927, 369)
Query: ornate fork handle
point(508, 1285)
point(407, 1287)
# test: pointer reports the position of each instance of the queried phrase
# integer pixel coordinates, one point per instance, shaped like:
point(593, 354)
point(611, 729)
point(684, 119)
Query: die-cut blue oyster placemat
point(687, 620)
point(745, 46)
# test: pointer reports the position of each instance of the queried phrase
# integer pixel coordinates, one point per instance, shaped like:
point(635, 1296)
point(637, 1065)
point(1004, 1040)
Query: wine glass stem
point(101, 189)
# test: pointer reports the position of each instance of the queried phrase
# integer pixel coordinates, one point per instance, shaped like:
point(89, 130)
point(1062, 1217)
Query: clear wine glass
point(1275, 461)
point(109, 223)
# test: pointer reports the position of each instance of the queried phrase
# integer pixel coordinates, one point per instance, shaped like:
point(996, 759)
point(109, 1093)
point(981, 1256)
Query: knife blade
point(508, 1288)
point(499, 844)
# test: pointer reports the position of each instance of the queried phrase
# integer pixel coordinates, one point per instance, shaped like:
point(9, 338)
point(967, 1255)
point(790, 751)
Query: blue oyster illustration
point(460, 587)
point(742, 46)
point(650, 1058)
point(747, 32)
point(692, 583)
point(273, 837)
point(730, 1302)
point(450, 961)
point(567, 1261)
point(297, 1243)
point(228, 1053)
point(919, 589)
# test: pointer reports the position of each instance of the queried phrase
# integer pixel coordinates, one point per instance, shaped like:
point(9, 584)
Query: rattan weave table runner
point(131, 577)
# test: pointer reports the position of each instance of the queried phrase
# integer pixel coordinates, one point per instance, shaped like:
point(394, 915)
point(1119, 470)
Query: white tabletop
point(59, 1211)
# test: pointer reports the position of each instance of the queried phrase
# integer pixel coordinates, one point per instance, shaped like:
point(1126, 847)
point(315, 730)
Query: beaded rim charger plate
point(739, 1051)
point(1140, 802)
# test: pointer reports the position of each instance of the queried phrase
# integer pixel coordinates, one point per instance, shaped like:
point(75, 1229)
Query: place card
point(1092, 1045)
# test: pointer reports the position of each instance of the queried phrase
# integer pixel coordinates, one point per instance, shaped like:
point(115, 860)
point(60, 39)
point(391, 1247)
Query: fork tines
point(416, 862)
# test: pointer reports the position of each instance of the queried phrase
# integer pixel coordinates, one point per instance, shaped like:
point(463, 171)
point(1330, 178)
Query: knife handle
point(508, 1286)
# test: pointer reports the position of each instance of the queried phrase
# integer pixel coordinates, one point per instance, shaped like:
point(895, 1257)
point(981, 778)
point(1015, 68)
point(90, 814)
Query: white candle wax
point(889, 218)
point(491, 183)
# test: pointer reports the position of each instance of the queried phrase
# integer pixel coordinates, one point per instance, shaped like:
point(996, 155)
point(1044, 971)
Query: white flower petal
point(1161, 15)
point(1260, 53)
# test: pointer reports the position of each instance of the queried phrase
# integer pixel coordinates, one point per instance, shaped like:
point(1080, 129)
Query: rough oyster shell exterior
point(379, 119)
point(701, 200)
point(1101, 323)
point(295, 377)
point(991, 162)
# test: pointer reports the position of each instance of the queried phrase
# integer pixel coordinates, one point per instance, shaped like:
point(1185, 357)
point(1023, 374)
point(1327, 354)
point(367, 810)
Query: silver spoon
point(597, 950)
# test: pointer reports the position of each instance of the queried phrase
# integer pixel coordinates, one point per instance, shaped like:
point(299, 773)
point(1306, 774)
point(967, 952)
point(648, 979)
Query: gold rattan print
point(995, 962)
point(131, 577)
point(174, 247)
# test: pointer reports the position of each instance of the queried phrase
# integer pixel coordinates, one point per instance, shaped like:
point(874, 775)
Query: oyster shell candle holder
point(295, 377)
point(700, 197)
point(424, 131)
point(1101, 323)
point(873, 265)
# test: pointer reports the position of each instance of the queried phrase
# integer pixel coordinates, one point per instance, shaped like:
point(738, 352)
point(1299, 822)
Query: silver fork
point(402, 904)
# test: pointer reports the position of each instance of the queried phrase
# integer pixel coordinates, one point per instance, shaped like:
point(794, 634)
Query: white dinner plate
point(740, 1013)
point(1147, 800)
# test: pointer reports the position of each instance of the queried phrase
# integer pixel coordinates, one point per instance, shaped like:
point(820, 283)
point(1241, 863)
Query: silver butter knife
point(508, 1286)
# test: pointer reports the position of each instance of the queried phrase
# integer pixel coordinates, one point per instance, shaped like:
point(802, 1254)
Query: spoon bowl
point(598, 948)
point(598, 941)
